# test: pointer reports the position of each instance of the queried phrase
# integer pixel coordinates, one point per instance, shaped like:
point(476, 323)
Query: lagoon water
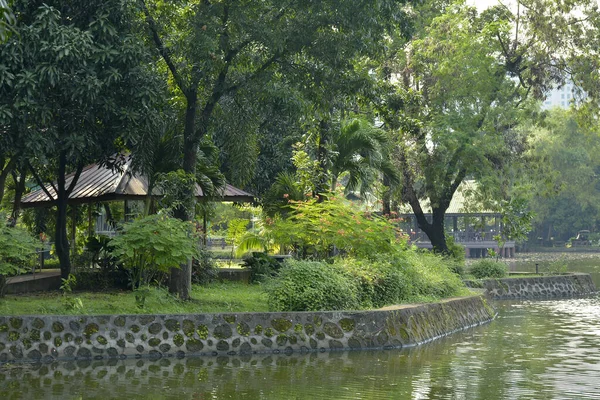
point(533, 350)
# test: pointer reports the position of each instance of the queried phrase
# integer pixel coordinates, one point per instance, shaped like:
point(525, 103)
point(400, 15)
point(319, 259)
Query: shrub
point(262, 266)
point(488, 269)
point(311, 286)
point(314, 229)
point(456, 251)
point(379, 282)
point(152, 245)
point(17, 251)
point(428, 275)
point(204, 268)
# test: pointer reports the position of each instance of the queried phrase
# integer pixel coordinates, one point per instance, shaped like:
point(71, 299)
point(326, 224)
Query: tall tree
point(215, 49)
point(74, 87)
point(461, 88)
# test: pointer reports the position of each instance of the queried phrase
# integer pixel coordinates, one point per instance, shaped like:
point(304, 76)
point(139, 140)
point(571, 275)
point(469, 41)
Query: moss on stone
point(281, 339)
point(188, 328)
point(333, 330)
point(243, 329)
point(47, 335)
point(134, 328)
point(258, 329)
point(57, 327)
point(281, 324)
point(13, 336)
point(194, 345)
point(298, 328)
point(16, 323)
point(229, 318)
point(347, 324)
point(144, 337)
point(101, 340)
point(269, 332)
point(154, 342)
point(129, 337)
point(320, 335)
point(120, 321)
point(222, 332)
point(172, 325)
point(34, 335)
point(178, 340)
point(154, 328)
point(253, 341)
point(3, 327)
point(202, 332)
point(27, 344)
point(38, 323)
point(318, 320)
point(309, 329)
point(90, 329)
point(57, 341)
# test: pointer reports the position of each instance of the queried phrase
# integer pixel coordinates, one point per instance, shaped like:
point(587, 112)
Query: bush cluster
point(262, 266)
point(488, 269)
point(355, 284)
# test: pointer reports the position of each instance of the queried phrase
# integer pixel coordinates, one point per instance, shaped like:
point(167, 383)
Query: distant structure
point(563, 96)
point(468, 222)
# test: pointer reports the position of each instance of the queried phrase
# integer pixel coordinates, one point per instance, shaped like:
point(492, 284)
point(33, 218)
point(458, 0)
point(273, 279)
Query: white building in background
point(563, 96)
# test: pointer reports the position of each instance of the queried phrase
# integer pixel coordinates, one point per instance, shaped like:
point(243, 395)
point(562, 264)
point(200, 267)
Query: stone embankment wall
point(48, 338)
point(568, 285)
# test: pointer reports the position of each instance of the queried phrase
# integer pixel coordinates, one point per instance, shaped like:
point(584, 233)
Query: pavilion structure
point(471, 226)
point(99, 184)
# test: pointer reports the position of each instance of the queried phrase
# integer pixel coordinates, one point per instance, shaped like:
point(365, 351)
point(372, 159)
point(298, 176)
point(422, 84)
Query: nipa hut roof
point(101, 183)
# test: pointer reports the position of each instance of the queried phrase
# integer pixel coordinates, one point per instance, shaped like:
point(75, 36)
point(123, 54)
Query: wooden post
point(90, 230)
point(73, 229)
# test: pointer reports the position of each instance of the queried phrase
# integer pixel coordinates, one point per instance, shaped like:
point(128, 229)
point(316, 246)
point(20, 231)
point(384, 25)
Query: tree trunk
point(180, 282)
point(323, 160)
point(61, 241)
point(435, 231)
point(4, 174)
point(19, 190)
point(387, 196)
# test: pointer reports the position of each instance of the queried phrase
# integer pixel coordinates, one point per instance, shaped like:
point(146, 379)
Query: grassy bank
point(222, 297)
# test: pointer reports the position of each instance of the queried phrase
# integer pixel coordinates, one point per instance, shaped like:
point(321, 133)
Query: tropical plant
point(320, 229)
point(358, 149)
point(17, 251)
point(154, 244)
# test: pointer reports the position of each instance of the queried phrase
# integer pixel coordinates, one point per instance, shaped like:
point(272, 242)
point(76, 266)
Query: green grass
point(220, 297)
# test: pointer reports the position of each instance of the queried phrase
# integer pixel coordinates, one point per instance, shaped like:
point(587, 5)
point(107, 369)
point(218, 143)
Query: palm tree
point(361, 151)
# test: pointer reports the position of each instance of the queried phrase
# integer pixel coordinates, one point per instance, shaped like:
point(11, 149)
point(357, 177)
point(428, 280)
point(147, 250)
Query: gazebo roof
point(100, 183)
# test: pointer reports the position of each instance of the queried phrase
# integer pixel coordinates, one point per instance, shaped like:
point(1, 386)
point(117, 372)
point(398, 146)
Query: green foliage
point(315, 228)
point(488, 269)
point(311, 286)
point(177, 188)
point(70, 303)
point(390, 279)
point(7, 20)
point(566, 189)
point(153, 244)
point(17, 249)
point(262, 266)
point(456, 252)
point(556, 267)
point(204, 268)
